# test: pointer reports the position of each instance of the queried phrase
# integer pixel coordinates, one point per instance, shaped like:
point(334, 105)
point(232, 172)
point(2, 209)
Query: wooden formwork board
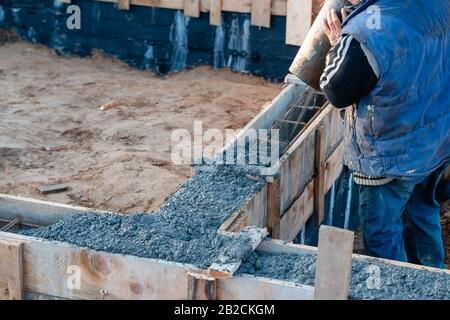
point(287, 201)
point(43, 212)
point(50, 268)
point(299, 13)
point(55, 270)
point(297, 163)
point(58, 270)
point(241, 6)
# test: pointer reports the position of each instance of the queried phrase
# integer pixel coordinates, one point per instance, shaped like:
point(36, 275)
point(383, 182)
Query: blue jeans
point(401, 221)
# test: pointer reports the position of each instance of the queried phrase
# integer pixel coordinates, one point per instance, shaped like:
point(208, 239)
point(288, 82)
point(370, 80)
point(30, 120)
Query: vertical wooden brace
point(192, 8)
point(201, 287)
point(11, 270)
point(215, 12)
point(334, 264)
point(123, 4)
point(320, 168)
point(298, 20)
point(261, 13)
point(274, 208)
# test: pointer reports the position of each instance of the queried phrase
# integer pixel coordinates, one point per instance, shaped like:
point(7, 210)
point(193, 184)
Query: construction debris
point(54, 188)
point(109, 105)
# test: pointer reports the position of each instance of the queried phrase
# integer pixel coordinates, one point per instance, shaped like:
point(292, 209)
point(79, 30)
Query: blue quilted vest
point(402, 128)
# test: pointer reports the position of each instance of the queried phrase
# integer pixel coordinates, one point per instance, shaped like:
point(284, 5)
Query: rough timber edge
point(289, 221)
point(50, 268)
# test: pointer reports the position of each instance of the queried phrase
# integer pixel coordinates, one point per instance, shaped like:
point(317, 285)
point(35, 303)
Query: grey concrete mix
point(394, 282)
point(183, 230)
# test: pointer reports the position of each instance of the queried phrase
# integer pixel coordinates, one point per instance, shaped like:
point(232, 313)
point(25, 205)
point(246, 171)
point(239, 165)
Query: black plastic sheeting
point(146, 37)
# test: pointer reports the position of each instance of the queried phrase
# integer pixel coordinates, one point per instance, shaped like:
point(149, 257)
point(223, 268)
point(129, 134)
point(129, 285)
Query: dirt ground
point(119, 159)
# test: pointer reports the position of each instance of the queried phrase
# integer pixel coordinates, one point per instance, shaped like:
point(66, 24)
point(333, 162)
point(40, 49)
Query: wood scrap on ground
point(54, 188)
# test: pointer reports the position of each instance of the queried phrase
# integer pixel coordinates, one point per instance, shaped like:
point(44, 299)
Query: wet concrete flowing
point(183, 230)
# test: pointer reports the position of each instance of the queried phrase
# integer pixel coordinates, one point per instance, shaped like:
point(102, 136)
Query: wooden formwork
point(49, 268)
point(308, 168)
point(299, 13)
point(33, 268)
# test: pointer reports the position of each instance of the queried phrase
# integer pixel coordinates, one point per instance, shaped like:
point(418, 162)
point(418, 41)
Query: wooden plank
point(167, 4)
point(335, 130)
point(301, 210)
point(223, 269)
point(273, 208)
point(114, 276)
point(319, 168)
point(334, 264)
point(297, 171)
point(275, 246)
point(248, 287)
point(201, 287)
point(298, 21)
point(54, 188)
point(215, 12)
point(192, 8)
point(261, 13)
point(123, 4)
point(297, 215)
point(252, 213)
point(53, 268)
point(279, 7)
point(302, 150)
point(65, 1)
point(11, 270)
point(37, 212)
point(257, 209)
point(243, 6)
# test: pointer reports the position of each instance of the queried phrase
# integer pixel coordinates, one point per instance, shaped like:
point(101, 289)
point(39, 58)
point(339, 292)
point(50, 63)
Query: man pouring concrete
point(395, 76)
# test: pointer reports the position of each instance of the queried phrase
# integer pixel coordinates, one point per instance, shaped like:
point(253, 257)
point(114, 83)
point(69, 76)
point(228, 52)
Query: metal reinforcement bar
point(310, 163)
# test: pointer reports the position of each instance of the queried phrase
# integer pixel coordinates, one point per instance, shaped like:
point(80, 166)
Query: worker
point(389, 65)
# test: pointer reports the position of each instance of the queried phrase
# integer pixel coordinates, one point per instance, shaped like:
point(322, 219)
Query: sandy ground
point(119, 159)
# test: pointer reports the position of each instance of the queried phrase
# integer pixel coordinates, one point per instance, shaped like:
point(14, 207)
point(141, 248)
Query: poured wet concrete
point(369, 279)
point(183, 230)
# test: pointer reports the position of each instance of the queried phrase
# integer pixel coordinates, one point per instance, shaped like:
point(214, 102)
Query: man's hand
point(333, 26)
